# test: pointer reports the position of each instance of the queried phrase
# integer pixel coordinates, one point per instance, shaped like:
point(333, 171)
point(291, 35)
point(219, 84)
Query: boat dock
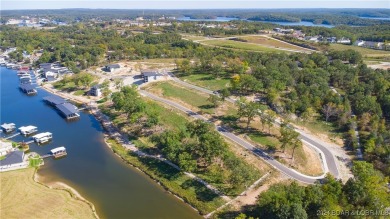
point(68, 110)
point(28, 89)
point(56, 153)
point(8, 127)
point(14, 135)
point(28, 130)
point(42, 137)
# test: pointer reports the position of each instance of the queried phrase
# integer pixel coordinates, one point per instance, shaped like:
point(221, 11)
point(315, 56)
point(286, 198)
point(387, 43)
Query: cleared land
point(261, 40)
point(303, 157)
point(240, 45)
point(207, 81)
point(366, 53)
point(22, 197)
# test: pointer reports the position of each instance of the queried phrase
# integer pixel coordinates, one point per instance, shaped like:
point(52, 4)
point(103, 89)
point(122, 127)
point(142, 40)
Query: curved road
point(258, 152)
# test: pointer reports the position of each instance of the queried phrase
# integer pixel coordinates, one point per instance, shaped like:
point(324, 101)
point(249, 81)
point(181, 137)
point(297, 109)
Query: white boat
point(28, 130)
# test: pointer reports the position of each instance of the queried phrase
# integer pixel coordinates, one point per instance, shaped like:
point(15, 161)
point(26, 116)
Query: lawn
point(194, 37)
point(187, 96)
point(271, 42)
point(22, 197)
point(366, 53)
point(240, 45)
point(207, 81)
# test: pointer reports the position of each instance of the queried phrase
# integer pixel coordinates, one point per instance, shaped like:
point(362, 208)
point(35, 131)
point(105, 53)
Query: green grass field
point(240, 45)
point(207, 81)
point(366, 53)
point(272, 42)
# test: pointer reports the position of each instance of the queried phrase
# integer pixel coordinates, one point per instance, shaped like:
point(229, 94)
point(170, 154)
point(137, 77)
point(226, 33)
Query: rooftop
point(27, 128)
point(41, 135)
point(8, 125)
point(27, 87)
point(113, 66)
point(13, 157)
point(56, 150)
point(55, 100)
point(67, 109)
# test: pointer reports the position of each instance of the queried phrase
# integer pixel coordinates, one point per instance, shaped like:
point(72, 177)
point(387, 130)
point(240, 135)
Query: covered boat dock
point(8, 127)
point(27, 130)
point(68, 110)
point(54, 100)
point(28, 88)
point(42, 137)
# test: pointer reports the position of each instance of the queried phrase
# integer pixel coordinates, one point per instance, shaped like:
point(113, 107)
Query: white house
point(359, 43)
point(344, 41)
point(151, 75)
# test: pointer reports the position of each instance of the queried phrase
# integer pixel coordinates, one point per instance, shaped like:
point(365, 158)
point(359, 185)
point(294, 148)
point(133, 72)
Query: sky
point(190, 4)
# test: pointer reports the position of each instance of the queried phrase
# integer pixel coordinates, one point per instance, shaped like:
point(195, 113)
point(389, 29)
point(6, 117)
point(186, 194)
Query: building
point(42, 137)
point(8, 127)
point(54, 100)
point(68, 110)
point(112, 67)
point(151, 75)
point(5, 147)
point(344, 41)
point(28, 89)
point(14, 160)
point(28, 130)
point(95, 91)
point(359, 43)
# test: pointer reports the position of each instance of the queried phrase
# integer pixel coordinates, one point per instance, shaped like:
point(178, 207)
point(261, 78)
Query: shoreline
point(106, 137)
point(65, 187)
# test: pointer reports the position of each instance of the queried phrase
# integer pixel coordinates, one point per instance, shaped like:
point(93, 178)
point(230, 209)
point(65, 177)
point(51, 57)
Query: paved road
point(258, 152)
point(329, 161)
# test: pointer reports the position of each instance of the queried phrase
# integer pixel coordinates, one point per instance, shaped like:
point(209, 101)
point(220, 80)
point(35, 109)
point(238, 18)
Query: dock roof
point(27, 128)
point(41, 135)
point(67, 109)
point(55, 150)
point(27, 87)
point(13, 157)
point(8, 125)
point(55, 100)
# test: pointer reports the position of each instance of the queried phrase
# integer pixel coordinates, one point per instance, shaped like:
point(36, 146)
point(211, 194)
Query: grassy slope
point(22, 197)
point(207, 81)
point(271, 42)
point(240, 45)
point(366, 53)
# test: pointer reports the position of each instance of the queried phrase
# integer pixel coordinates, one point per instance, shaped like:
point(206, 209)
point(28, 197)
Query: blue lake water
point(116, 189)
point(224, 19)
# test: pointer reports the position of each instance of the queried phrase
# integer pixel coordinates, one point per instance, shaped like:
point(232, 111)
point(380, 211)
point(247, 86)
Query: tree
point(296, 143)
point(269, 119)
point(225, 93)
point(129, 101)
point(214, 99)
point(329, 110)
point(288, 136)
point(249, 110)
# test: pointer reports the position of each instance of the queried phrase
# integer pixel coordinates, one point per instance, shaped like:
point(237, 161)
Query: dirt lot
point(22, 197)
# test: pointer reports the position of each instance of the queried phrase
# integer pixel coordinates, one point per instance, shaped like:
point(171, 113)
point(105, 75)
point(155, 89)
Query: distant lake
point(219, 19)
point(225, 19)
point(378, 18)
point(302, 23)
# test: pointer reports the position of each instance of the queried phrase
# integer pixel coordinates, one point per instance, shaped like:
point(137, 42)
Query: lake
point(225, 19)
point(116, 189)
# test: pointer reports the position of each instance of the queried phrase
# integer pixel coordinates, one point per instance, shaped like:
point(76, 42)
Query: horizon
point(192, 5)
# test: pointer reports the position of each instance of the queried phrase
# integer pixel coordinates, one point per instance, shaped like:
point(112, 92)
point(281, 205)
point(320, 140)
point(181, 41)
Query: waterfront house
point(14, 160)
point(151, 75)
point(112, 67)
point(95, 91)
